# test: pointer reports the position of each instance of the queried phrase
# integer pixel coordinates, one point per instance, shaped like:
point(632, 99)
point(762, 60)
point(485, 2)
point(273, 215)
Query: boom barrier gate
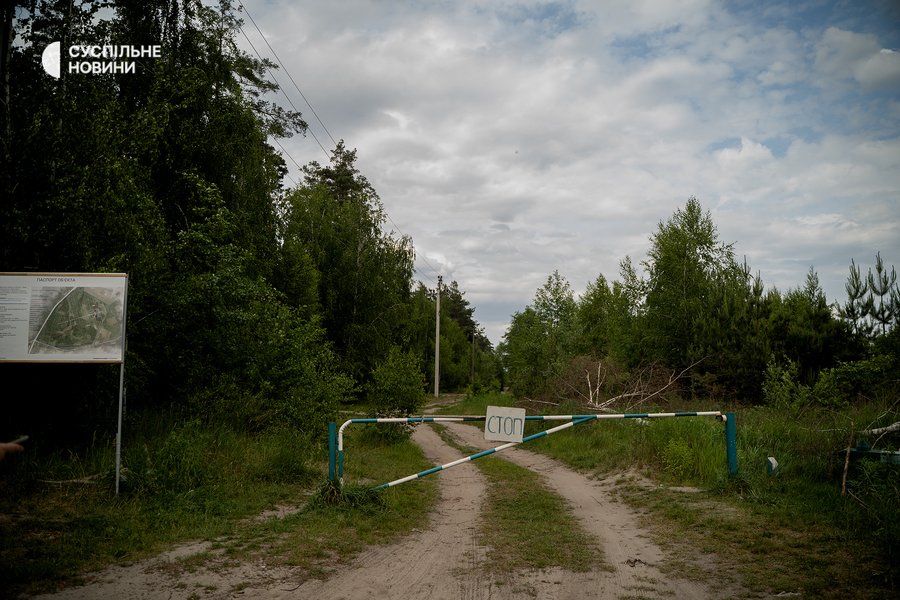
point(336, 437)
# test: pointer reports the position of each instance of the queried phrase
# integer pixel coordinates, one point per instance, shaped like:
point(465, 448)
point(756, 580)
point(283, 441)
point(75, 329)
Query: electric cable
point(280, 87)
point(275, 54)
point(283, 91)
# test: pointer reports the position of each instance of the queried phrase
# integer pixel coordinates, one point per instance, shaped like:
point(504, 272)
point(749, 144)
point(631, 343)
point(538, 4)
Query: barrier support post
point(731, 442)
point(332, 450)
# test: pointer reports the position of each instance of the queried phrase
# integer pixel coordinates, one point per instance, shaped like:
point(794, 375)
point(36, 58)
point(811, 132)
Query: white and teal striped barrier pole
point(336, 446)
point(478, 455)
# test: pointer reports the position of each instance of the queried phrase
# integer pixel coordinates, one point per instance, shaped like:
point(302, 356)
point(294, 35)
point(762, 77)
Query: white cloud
point(880, 70)
point(846, 55)
point(839, 51)
point(511, 139)
point(749, 153)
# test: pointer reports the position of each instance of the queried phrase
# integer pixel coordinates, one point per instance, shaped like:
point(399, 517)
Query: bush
point(284, 378)
point(397, 389)
point(833, 387)
point(781, 387)
point(850, 380)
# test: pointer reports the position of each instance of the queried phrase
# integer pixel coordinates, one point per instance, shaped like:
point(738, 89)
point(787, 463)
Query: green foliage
point(332, 226)
point(699, 312)
point(606, 317)
point(873, 302)
point(541, 340)
point(397, 389)
point(802, 328)
point(856, 309)
point(677, 458)
point(685, 263)
point(523, 352)
point(249, 305)
point(467, 357)
point(851, 380)
point(781, 388)
point(833, 387)
point(882, 293)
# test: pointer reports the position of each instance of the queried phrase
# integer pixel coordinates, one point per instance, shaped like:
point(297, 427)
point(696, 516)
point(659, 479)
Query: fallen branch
point(540, 401)
point(882, 430)
point(89, 480)
point(672, 379)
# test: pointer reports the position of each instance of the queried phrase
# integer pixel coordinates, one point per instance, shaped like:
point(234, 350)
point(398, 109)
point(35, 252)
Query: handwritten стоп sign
point(504, 424)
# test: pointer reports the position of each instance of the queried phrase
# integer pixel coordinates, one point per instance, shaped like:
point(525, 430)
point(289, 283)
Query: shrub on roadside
point(834, 387)
point(397, 389)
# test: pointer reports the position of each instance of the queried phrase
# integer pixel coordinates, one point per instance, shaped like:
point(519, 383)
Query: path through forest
point(442, 562)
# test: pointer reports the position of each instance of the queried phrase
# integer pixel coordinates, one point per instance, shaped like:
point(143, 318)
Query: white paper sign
point(504, 424)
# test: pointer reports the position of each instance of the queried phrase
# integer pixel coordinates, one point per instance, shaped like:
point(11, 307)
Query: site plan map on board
point(75, 320)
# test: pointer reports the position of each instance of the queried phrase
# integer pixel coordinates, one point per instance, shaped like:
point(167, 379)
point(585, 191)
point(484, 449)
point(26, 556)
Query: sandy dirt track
point(443, 562)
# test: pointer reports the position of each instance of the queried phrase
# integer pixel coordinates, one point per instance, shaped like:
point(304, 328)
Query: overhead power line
point(288, 73)
point(435, 270)
point(280, 87)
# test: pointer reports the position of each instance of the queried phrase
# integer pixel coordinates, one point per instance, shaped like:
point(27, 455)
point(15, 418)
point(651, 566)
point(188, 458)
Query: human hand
point(14, 446)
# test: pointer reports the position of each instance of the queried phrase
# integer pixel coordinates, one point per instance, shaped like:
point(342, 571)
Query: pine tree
point(856, 309)
point(881, 284)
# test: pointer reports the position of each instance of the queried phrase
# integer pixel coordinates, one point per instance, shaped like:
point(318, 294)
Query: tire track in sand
point(443, 562)
point(440, 563)
point(627, 547)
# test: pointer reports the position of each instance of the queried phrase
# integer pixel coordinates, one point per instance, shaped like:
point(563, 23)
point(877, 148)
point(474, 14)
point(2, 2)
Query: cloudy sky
point(511, 138)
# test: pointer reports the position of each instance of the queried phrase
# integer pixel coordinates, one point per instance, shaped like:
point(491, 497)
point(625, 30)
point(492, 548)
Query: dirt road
point(443, 562)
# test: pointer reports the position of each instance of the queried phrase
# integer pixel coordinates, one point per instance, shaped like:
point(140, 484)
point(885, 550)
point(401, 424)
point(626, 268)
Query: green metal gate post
point(332, 449)
point(731, 442)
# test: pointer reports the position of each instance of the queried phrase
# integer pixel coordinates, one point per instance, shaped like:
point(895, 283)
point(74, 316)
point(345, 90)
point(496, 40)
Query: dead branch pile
point(601, 384)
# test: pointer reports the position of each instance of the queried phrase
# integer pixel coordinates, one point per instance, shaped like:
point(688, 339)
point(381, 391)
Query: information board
point(62, 317)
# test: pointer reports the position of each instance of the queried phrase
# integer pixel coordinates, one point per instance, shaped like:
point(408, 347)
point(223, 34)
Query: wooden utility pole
point(472, 377)
point(437, 341)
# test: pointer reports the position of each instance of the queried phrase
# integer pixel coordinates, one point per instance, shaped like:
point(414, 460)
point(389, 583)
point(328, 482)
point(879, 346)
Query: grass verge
point(59, 516)
point(790, 532)
point(527, 526)
point(524, 524)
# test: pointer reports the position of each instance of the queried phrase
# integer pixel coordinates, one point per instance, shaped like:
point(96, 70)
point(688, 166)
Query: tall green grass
point(802, 502)
point(685, 450)
point(187, 481)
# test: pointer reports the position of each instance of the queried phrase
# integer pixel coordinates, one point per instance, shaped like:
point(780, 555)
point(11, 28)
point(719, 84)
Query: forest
point(695, 321)
point(262, 308)
point(250, 303)
point(261, 304)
